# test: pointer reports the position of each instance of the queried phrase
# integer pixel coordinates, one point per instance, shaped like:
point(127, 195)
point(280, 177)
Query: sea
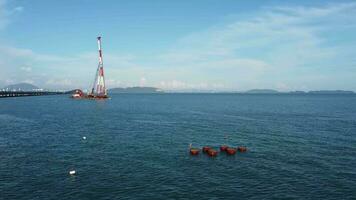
point(136, 146)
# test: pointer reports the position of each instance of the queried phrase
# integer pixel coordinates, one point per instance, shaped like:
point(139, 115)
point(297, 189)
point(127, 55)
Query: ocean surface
point(136, 147)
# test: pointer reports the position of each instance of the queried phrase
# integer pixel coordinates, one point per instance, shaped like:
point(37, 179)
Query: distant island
point(135, 90)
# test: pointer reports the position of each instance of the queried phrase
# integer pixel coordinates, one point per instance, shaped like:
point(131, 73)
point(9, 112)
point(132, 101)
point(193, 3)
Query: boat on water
point(78, 94)
point(98, 91)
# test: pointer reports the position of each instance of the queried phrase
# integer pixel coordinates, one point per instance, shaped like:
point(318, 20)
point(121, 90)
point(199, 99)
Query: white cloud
point(52, 71)
point(6, 13)
point(143, 81)
point(112, 83)
point(3, 14)
point(272, 46)
point(61, 83)
point(26, 69)
point(28, 81)
point(19, 9)
point(181, 85)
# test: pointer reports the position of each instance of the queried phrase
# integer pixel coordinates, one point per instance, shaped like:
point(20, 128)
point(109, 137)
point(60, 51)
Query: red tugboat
point(231, 151)
point(223, 147)
point(206, 149)
point(78, 94)
point(193, 151)
point(242, 149)
point(212, 152)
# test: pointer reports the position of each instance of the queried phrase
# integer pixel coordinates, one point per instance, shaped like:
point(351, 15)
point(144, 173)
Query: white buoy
point(84, 138)
point(72, 172)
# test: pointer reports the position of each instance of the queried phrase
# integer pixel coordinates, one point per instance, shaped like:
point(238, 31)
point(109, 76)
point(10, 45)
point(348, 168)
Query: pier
point(4, 94)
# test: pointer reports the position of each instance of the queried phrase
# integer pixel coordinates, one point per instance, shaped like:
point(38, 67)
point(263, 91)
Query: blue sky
point(180, 45)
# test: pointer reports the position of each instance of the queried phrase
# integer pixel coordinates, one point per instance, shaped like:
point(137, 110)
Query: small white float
point(72, 172)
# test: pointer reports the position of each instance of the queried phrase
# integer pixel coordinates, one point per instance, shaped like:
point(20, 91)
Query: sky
point(220, 45)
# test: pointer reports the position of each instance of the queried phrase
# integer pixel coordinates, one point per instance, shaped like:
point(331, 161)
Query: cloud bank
point(285, 48)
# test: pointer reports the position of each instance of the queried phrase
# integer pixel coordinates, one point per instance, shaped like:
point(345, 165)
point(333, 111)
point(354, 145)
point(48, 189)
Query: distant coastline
point(152, 90)
point(135, 90)
point(26, 87)
point(264, 91)
point(269, 91)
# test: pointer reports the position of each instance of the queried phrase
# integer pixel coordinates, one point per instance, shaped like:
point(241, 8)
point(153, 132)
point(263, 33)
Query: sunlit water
point(136, 147)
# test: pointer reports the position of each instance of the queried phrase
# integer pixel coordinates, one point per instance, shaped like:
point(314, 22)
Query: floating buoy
point(72, 172)
point(223, 147)
point(194, 151)
point(212, 152)
point(231, 151)
point(206, 149)
point(242, 149)
point(84, 138)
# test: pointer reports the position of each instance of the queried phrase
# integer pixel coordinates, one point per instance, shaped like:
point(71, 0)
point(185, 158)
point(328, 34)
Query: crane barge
point(98, 90)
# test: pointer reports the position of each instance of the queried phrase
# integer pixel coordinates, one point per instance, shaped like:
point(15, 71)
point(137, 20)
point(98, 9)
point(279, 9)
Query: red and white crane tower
point(99, 89)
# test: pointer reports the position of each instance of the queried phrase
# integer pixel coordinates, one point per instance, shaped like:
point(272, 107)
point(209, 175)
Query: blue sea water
point(299, 147)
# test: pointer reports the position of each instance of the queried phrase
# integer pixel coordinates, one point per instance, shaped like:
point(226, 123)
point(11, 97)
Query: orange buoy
point(223, 147)
point(212, 152)
point(206, 149)
point(231, 151)
point(194, 151)
point(242, 149)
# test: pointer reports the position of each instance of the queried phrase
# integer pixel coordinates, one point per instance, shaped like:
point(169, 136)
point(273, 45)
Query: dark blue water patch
point(299, 147)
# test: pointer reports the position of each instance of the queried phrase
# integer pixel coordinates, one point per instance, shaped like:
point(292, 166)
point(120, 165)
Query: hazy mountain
point(135, 90)
point(262, 91)
point(21, 87)
point(331, 92)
